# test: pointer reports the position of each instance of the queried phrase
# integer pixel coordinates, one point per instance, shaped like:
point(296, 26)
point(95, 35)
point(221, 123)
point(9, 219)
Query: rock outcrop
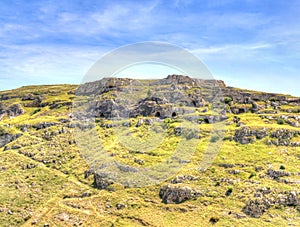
point(11, 111)
point(172, 96)
point(246, 135)
point(283, 137)
point(264, 199)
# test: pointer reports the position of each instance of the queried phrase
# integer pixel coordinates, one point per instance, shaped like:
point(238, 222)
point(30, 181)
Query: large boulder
point(176, 195)
point(257, 207)
point(101, 181)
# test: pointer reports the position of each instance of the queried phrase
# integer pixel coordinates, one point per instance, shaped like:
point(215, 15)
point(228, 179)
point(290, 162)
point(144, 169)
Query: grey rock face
point(168, 97)
point(7, 138)
point(35, 100)
point(43, 125)
point(103, 86)
point(11, 111)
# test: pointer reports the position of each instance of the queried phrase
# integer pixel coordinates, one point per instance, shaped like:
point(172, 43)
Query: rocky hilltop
point(48, 180)
point(173, 96)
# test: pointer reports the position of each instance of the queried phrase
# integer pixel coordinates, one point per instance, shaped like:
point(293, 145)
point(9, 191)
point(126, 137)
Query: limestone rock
point(101, 181)
point(176, 195)
point(257, 207)
point(288, 199)
point(181, 179)
point(246, 135)
point(275, 174)
point(7, 138)
point(11, 111)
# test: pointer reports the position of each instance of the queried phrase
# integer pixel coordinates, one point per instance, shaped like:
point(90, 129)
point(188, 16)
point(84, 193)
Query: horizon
point(251, 45)
point(127, 77)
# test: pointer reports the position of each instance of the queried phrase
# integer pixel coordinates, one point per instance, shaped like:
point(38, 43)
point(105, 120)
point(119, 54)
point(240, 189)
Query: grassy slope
point(52, 191)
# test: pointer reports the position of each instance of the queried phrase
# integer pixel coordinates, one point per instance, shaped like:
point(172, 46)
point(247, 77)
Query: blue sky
point(252, 44)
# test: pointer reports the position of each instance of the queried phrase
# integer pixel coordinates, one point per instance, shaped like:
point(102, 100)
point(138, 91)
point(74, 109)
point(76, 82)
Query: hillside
point(236, 155)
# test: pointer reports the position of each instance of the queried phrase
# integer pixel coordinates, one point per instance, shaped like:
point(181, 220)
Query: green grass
point(51, 192)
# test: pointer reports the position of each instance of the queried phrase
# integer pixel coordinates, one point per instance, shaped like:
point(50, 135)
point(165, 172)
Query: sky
point(251, 44)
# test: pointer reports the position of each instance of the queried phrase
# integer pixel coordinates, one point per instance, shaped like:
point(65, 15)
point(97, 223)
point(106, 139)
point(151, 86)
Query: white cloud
point(113, 19)
point(50, 64)
point(233, 51)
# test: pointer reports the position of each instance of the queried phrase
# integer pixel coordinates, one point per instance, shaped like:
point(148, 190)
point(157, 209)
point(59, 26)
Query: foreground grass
point(42, 174)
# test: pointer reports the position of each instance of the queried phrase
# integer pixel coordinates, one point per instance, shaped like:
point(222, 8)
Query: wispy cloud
point(240, 49)
point(41, 65)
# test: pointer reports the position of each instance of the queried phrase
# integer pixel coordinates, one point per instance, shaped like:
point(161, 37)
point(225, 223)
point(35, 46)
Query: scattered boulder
point(288, 199)
point(226, 165)
point(29, 166)
point(257, 207)
point(175, 195)
point(187, 132)
point(120, 206)
point(43, 125)
point(214, 220)
point(181, 179)
point(275, 174)
point(63, 217)
point(234, 171)
point(139, 161)
point(239, 110)
point(140, 122)
point(178, 131)
point(101, 181)
point(283, 137)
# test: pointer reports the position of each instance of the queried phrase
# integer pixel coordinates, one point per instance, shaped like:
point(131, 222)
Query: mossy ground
point(42, 174)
